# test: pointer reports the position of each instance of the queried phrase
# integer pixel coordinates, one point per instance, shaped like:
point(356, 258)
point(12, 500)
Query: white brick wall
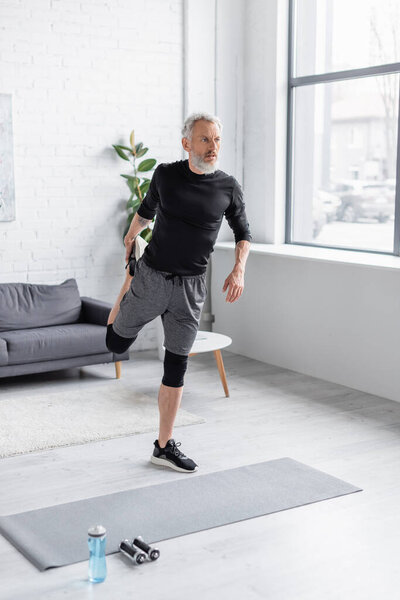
point(82, 76)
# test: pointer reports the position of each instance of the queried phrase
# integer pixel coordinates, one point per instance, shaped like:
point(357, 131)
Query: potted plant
point(138, 188)
point(137, 184)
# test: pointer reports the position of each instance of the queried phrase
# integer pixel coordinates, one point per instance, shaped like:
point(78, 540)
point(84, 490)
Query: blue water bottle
point(97, 559)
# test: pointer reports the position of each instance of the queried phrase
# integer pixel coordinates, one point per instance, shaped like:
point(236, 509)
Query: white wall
point(329, 318)
point(334, 321)
point(265, 91)
point(199, 57)
point(82, 75)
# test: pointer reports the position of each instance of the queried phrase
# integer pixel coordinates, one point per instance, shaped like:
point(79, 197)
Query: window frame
point(348, 74)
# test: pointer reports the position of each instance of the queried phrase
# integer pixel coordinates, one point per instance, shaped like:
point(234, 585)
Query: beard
point(204, 165)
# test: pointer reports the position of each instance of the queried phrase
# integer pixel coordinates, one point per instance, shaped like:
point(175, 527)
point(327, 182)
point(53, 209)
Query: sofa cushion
point(55, 342)
point(28, 305)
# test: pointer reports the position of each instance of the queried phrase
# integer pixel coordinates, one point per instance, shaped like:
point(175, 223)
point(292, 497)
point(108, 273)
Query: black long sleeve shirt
point(190, 208)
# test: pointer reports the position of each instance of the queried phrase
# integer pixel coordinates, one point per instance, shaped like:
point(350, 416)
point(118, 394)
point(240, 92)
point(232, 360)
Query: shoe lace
point(175, 449)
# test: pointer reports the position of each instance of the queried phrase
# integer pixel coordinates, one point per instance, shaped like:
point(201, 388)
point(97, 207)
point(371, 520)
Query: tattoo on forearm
point(143, 221)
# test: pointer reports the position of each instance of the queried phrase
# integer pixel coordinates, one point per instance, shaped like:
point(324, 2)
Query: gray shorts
point(179, 299)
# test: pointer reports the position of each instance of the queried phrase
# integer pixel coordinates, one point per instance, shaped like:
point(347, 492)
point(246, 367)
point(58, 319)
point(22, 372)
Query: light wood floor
point(344, 548)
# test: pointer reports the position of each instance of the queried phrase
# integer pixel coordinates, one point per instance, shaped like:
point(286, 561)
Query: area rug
point(57, 535)
point(29, 423)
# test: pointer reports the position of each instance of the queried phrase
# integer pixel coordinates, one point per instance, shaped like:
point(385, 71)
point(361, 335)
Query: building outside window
point(343, 124)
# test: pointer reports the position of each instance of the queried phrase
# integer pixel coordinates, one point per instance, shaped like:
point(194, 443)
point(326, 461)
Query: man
point(190, 198)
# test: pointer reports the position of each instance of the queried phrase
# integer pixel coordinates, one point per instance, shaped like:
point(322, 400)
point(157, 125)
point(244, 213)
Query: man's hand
point(129, 242)
point(235, 284)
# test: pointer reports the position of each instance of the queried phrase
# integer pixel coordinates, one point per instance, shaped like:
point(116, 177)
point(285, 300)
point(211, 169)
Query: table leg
point(221, 369)
point(118, 369)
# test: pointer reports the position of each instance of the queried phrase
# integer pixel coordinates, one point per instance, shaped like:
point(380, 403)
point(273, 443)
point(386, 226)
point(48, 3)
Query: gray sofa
point(51, 327)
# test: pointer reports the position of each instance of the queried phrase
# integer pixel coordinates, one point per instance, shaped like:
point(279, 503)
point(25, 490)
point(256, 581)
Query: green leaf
point(147, 235)
point(135, 204)
point(132, 185)
point(141, 152)
point(144, 187)
point(147, 165)
point(120, 152)
point(132, 178)
point(138, 147)
point(125, 148)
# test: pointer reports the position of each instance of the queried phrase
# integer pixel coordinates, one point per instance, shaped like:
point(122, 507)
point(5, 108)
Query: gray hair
point(187, 128)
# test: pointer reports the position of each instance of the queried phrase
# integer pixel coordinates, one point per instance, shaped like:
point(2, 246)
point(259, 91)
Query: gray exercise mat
point(57, 535)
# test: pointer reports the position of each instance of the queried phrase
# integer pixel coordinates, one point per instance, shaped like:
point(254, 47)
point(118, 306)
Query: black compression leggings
point(116, 343)
point(175, 365)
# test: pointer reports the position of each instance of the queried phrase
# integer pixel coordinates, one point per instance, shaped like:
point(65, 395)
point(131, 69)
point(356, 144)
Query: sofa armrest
point(3, 352)
point(95, 311)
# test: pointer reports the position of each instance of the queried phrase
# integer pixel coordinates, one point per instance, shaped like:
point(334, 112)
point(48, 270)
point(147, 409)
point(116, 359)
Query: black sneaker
point(171, 456)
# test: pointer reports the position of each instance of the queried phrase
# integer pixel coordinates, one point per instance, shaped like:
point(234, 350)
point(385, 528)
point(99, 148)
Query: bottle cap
point(97, 530)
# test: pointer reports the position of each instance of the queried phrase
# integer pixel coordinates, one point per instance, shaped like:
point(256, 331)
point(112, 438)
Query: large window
point(343, 114)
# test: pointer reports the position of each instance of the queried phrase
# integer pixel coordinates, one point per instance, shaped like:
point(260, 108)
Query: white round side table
point(207, 341)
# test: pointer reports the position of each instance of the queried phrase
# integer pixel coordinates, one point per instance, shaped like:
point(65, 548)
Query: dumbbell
point(131, 552)
point(152, 553)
